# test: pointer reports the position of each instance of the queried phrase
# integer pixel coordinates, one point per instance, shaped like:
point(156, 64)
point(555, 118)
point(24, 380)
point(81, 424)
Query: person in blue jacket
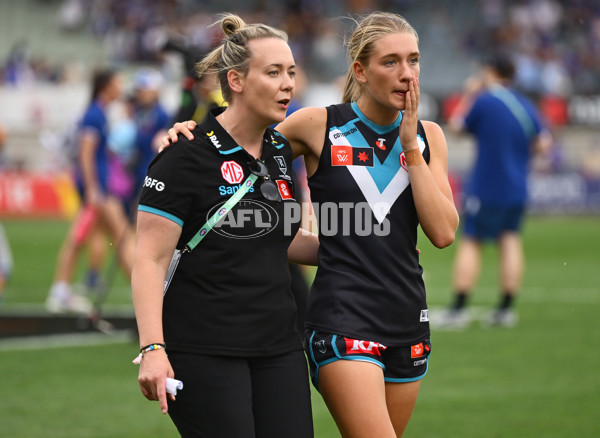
point(508, 130)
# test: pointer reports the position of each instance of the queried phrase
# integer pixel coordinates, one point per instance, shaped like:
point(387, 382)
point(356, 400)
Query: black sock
point(460, 300)
point(506, 301)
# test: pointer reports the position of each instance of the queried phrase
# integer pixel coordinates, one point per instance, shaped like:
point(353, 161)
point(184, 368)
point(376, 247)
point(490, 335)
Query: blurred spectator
point(6, 258)
point(101, 212)
point(17, 69)
point(150, 119)
point(509, 132)
point(198, 98)
point(6, 262)
point(557, 41)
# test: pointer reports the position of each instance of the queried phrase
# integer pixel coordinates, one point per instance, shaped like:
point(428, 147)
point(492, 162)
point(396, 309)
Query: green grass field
point(539, 379)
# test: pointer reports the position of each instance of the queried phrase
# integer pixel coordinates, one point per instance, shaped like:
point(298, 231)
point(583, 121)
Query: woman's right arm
point(156, 240)
point(305, 129)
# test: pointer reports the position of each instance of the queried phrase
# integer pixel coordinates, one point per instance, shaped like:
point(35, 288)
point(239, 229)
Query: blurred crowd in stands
point(556, 42)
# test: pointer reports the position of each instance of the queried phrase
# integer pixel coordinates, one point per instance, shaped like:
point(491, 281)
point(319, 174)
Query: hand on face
point(408, 125)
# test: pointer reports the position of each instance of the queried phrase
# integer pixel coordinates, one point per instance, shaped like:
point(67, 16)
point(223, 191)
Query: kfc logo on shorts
point(232, 172)
point(355, 346)
point(284, 189)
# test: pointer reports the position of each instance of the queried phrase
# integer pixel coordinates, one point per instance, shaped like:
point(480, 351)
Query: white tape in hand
point(173, 385)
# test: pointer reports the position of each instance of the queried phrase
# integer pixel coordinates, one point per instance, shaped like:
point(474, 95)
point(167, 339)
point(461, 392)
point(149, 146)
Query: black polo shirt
point(231, 295)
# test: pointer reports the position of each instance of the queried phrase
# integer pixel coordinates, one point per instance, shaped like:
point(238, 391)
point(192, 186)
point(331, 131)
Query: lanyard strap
point(220, 213)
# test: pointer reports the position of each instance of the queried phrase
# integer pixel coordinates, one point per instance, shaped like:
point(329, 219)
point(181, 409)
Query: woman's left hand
point(408, 125)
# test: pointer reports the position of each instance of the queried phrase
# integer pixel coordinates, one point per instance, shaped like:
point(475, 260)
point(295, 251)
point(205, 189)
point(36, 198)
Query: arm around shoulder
point(305, 130)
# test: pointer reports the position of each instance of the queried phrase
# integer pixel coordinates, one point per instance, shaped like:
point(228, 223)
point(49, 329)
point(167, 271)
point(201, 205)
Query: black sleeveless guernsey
point(369, 282)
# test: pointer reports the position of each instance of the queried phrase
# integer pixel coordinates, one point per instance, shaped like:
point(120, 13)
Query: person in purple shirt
point(508, 131)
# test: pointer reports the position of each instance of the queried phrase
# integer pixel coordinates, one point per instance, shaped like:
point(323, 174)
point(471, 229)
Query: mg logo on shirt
point(232, 172)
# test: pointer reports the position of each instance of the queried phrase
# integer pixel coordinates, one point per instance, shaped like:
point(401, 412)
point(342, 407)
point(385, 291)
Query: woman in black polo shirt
point(227, 317)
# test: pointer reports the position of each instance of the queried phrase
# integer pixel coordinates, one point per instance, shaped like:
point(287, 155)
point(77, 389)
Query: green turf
point(539, 379)
point(35, 245)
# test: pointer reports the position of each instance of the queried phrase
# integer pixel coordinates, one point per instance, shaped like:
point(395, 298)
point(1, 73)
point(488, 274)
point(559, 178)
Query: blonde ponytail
point(233, 53)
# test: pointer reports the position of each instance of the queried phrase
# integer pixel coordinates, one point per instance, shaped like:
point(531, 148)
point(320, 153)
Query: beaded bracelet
point(146, 349)
point(151, 347)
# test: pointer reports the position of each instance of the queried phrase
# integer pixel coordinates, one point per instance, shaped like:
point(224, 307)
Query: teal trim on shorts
point(318, 365)
point(359, 358)
point(161, 213)
point(410, 379)
point(312, 357)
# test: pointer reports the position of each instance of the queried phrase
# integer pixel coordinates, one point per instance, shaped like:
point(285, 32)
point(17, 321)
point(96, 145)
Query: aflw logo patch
point(351, 156)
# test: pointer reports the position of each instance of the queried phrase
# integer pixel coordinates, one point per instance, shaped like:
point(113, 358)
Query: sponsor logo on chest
point(213, 138)
point(351, 156)
point(155, 184)
point(232, 172)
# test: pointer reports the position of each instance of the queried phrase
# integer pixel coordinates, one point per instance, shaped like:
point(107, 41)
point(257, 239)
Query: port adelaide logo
point(248, 219)
point(281, 163)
